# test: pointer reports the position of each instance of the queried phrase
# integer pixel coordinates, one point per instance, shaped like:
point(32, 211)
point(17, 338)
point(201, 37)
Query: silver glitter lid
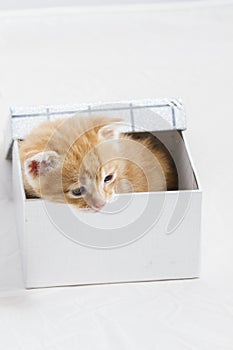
point(137, 115)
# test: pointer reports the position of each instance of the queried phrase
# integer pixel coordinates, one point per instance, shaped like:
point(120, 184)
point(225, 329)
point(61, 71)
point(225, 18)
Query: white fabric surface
point(72, 56)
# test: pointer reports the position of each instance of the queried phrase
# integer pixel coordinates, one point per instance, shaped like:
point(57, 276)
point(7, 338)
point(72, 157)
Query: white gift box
point(138, 237)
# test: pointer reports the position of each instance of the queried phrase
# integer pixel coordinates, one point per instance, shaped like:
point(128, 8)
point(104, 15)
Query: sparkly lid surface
point(137, 115)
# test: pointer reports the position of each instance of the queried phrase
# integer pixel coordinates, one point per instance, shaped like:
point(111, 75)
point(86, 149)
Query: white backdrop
point(185, 51)
point(24, 4)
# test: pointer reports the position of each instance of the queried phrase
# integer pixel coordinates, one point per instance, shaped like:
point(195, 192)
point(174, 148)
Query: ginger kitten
point(84, 161)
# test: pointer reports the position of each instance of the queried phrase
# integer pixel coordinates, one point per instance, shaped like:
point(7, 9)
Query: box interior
point(175, 143)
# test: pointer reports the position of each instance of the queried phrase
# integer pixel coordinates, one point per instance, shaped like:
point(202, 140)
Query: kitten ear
point(109, 132)
point(41, 164)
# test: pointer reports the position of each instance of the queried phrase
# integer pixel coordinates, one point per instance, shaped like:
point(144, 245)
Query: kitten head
point(91, 169)
point(86, 172)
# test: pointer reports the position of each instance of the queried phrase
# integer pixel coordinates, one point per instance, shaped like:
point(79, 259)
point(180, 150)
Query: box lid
point(138, 115)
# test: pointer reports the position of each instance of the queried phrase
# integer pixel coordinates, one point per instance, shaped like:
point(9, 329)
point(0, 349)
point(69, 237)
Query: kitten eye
point(108, 178)
point(78, 191)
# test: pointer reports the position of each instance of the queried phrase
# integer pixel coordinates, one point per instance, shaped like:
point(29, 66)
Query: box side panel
point(19, 200)
point(163, 248)
point(8, 141)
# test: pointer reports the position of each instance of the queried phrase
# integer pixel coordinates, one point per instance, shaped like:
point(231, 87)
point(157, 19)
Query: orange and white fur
point(85, 160)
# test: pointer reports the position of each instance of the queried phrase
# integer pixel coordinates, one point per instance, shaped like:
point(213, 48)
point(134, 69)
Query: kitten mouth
point(89, 210)
point(96, 210)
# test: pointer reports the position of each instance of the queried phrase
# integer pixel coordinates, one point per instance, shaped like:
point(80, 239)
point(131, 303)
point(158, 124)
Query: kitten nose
point(100, 203)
